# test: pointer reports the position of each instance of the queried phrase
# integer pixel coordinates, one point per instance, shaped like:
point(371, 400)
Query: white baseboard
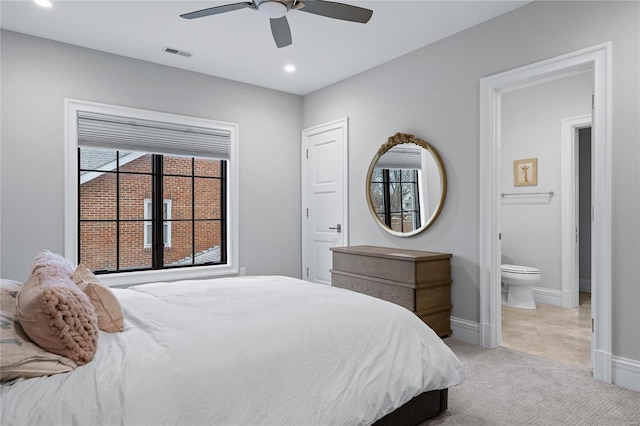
point(626, 373)
point(465, 331)
point(486, 338)
point(547, 296)
point(601, 363)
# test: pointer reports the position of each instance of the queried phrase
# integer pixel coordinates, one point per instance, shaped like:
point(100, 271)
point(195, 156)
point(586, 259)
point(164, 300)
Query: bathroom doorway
point(598, 60)
point(533, 226)
point(563, 333)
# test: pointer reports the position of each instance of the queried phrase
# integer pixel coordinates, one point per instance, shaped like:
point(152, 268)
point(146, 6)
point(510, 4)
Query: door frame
point(597, 59)
point(343, 125)
point(570, 208)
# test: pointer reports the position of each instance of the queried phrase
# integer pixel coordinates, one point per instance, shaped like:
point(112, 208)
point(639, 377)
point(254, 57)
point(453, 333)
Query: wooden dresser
point(418, 280)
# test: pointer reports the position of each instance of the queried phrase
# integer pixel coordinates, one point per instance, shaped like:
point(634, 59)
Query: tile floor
point(552, 332)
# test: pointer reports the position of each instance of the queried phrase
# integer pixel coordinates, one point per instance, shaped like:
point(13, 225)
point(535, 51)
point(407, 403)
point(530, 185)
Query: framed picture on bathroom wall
point(525, 172)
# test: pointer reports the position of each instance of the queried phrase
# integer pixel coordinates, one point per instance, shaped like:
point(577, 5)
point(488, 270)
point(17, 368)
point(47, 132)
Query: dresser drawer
point(431, 297)
point(399, 295)
point(440, 321)
point(389, 269)
point(433, 271)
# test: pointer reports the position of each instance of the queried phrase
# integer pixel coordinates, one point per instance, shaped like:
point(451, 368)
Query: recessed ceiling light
point(289, 68)
point(43, 3)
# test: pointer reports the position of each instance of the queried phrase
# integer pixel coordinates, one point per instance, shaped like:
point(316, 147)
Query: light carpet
point(506, 387)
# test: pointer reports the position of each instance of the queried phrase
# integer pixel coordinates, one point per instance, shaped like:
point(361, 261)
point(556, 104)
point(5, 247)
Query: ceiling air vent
point(177, 52)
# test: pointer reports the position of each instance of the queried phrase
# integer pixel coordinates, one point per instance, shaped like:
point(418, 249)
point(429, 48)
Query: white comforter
point(243, 351)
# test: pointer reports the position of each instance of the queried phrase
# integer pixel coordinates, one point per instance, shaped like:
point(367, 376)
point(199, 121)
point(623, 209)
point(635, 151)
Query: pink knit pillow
point(53, 264)
point(55, 313)
point(20, 358)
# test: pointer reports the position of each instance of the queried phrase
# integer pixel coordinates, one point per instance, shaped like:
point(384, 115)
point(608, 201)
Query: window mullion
point(402, 210)
point(193, 211)
point(117, 210)
point(223, 211)
point(387, 196)
point(416, 199)
point(157, 222)
point(79, 208)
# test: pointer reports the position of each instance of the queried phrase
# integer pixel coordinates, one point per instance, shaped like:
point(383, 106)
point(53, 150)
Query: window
point(166, 230)
point(154, 194)
point(396, 198)
point(111, 217)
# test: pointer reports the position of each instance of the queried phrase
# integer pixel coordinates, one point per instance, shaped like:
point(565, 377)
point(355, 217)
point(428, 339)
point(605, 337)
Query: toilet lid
point(519, 269)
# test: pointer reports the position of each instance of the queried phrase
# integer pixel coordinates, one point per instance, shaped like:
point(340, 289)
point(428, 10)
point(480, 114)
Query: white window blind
point(134, 134)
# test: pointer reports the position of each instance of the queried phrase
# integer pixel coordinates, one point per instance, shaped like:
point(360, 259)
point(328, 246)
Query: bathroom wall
point(584, 152)
point(531, 128)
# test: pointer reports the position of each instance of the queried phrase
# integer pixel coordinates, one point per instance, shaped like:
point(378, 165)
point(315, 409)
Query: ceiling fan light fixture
point(272, 9)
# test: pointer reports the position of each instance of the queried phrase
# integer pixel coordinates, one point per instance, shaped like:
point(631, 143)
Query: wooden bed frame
point(420, 409)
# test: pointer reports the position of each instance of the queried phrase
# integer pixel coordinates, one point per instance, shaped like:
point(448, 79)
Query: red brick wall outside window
point(182, 176)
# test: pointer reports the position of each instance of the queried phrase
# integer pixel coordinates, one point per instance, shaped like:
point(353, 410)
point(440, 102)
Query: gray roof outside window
point(205, 256)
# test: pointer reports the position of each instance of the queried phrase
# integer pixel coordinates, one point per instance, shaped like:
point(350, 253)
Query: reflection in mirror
point(395, 194)
point(406, 185)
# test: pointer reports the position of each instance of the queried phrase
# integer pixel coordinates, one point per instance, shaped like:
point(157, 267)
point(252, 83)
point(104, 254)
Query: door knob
point(338, 228)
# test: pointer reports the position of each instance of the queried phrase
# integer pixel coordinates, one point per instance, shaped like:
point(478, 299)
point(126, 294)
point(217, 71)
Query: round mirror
point(406, 185)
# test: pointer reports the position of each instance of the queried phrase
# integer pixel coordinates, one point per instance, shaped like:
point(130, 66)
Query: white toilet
point(520, 281)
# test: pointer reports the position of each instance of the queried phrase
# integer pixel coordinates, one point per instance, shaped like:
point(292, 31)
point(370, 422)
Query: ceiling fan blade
point(297, 5)
point(281, 31)
point(217, 10)
point(342, 11)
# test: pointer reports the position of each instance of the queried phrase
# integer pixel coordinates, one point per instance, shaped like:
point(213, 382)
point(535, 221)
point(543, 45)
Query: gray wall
point(38, 74)
point(531, 128)
point(434, 93)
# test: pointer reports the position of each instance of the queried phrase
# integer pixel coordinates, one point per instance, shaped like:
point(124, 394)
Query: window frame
point(72, 107)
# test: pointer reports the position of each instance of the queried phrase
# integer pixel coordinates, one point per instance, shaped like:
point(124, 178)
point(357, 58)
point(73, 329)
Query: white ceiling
point(238, 45)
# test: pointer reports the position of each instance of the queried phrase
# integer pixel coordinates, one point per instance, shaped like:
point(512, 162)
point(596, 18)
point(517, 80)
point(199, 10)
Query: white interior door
point(324, 197)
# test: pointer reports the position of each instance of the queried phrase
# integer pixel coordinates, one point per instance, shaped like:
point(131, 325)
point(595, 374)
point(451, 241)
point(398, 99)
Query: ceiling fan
point(276, 10)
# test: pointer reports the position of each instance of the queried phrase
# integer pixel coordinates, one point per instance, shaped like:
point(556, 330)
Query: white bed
point(243, 351)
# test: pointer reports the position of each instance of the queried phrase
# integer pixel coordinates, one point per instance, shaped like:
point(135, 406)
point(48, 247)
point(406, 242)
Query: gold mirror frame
point(398, 139)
